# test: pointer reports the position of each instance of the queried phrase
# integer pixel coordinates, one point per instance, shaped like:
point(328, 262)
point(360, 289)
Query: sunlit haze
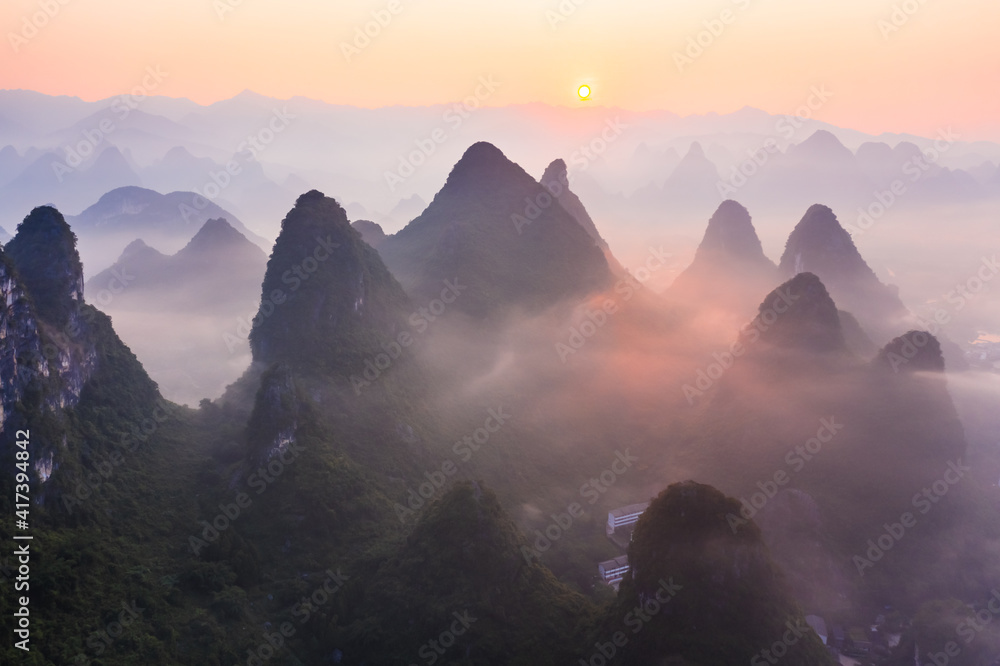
point(937, 69)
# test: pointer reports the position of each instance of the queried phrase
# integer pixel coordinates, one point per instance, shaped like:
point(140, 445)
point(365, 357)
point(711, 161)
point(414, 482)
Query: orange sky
point(938, 69)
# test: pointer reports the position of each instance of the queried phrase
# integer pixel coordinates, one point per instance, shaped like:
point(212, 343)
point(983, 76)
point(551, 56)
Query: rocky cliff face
point(52, 345)
point(21, 359)
point(45, 346)
point(275, 417)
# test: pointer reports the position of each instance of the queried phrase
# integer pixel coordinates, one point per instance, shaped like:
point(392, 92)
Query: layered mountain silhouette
point(869, 434)
point(186, 315)
point(166, 221)
point(496, 230)
point(65, 182)
point(218, 268)
point(357, 512)
point(819, 168)
point(135, 210)
point(692, 184)
point(820, 245)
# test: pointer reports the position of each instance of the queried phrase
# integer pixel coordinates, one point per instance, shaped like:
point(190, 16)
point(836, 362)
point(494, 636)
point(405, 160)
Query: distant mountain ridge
point(218, 262)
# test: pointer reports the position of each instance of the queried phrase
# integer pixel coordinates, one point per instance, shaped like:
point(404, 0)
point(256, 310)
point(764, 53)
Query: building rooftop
point(626, 510)
point(620, 561)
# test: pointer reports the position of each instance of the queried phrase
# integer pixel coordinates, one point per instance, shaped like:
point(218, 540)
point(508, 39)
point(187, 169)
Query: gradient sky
point(939, 69)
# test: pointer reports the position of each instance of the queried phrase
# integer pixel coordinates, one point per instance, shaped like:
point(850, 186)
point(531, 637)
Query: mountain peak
point(914, 351)
point(800, 314)
point(217, 233)
point(494, 228)
point(482, 165)
point(730, 269)
point(337, 300)
point(556, 171)
point(371, 232)
point(556, 181)
point(821, 245)
point(731, 232)
point(135, 247)
point(728, 583)
point(695, 174)
point(44, 252)
point(824, 141)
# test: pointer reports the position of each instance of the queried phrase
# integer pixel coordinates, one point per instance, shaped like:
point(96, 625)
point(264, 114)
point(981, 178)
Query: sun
point(583, 91)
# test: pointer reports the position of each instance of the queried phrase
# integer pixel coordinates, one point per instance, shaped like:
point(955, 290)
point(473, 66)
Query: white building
point(624, 515)
point(613, 571)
